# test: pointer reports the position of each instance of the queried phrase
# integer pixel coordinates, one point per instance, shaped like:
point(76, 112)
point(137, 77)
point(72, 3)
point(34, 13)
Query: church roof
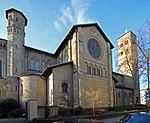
point(48, 70)
point(69, 35)
point(37, 50)
point(12, 9)
point(114, 79)
point(117, 73)
point(123, 87)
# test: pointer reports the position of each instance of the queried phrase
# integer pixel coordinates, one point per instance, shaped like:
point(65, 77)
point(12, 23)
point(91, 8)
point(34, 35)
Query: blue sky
point(50, 20)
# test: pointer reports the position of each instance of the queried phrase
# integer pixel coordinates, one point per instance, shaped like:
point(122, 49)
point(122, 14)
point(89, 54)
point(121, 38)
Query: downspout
point(18, 80)
point(77, 64)
point(46, 91)
point(109, 80)
point(27, 62)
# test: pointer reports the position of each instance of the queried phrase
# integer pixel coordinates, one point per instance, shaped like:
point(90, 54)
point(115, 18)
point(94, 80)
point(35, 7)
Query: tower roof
point(126, 34)
point(12, 9)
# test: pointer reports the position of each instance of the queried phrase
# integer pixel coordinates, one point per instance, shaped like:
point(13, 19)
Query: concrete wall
point(33, 87)
point(61, 74)
point(3, 88)
point(9, 88)
point(42, 60)
point(3, 56)
point(123, 97)
point(101, 85)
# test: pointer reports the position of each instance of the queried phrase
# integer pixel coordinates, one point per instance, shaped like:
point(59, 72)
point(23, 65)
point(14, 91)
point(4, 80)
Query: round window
point(94, 48)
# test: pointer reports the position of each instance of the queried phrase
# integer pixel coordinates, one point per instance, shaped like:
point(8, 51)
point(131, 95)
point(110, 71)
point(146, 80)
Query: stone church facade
point(80, 71)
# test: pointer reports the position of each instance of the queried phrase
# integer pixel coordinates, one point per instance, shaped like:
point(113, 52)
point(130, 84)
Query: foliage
point(7, 105)
point(47, 111)
point(63, 111)
point(65, 102)
point(78, 110)
point(92, 97)
point(16, 113)
point(143, 44)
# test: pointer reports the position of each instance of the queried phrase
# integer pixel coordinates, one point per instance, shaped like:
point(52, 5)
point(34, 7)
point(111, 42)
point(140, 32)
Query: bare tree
point(137, 66)
point(143, 44)
point(92, 97)
point(65, 102)
point(131, 70)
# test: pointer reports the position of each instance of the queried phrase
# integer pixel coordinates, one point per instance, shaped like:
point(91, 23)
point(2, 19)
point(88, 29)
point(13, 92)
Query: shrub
point(78, 110)
point(63, 111)
point(16, 113)
point(47, 111)
point(7, 105)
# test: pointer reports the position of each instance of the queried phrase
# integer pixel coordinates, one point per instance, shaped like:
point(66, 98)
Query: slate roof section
point(49, 69)
point(37, 50)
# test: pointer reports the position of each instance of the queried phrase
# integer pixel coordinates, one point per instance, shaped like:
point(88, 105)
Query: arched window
point(105, 72)
point(66, 56)
point(99, 71)
point(37, 67)
point(64, 87)
point(0, 68)
point(94, 70)
point(48, 63)
point(90, 69)
point(59, 58)
point(86, 67)
point(34, 64)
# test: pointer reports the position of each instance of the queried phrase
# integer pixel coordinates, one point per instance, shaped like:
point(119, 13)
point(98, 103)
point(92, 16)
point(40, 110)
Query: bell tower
point(15, 47)
point(127, 53)
point(128, 60)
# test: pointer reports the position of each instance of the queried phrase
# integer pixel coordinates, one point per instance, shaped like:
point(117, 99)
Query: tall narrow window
point(0, 68)
point(66, 56)
point(94, 71)
point(36, 65)
point(32, 64)
point(17, 20)
point(89, 69)
point(98, 72)
point(105, 72)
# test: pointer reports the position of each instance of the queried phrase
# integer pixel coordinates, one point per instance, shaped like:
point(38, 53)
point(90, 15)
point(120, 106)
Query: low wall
point(47, 111)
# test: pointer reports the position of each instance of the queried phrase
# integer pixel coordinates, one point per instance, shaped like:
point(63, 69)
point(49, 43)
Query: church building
point(80, 70)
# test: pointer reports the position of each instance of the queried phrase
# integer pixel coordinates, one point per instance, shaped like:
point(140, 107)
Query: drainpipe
point(18, 80)
point(77, 64)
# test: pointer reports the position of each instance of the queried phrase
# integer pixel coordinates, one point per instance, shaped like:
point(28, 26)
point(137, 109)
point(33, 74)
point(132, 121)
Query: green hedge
point(7, 105)
point(16, 113)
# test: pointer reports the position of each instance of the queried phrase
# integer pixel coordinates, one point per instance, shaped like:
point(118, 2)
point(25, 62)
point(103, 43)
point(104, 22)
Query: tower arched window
point(0, 68)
